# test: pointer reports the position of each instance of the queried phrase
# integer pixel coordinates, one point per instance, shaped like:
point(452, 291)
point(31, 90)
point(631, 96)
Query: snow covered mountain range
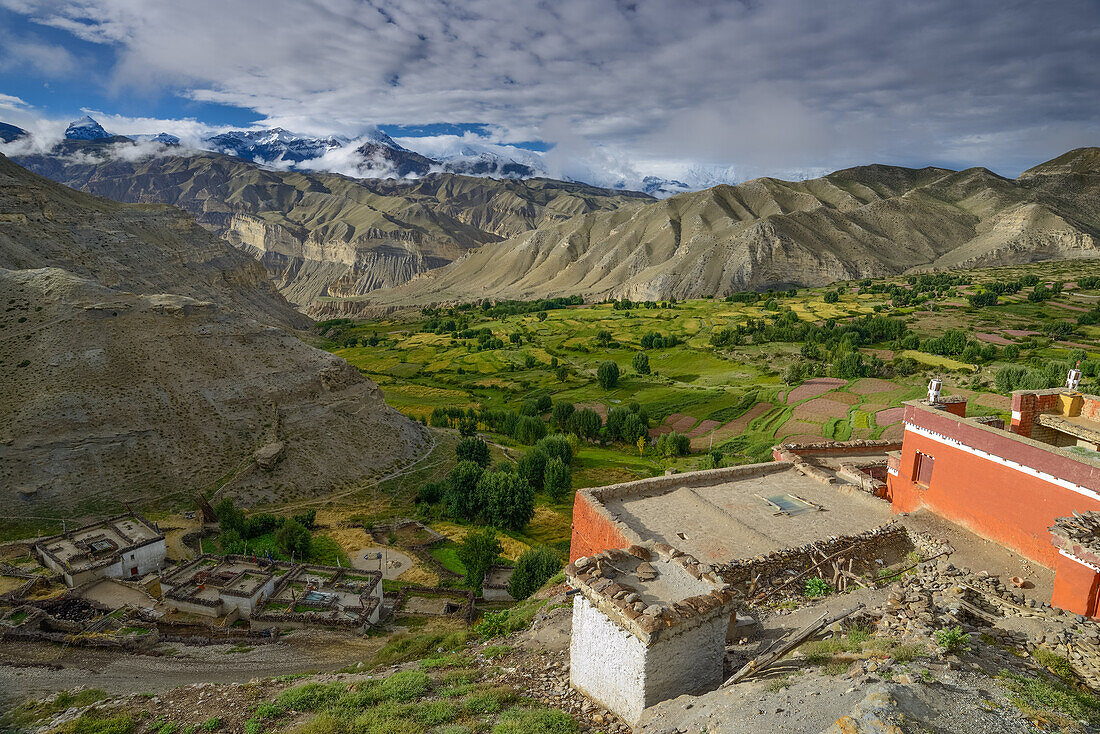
point(377, 155)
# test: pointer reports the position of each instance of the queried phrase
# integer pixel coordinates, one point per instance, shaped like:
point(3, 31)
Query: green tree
point(529, 429)
point(673, 444)
point(509, 501)
point(831, 297)
point(461, 496)
point(230, 517)
point(531, 467)
point(556, 447)
point(640, 363)
point(603, 337)
point(608, 374)
point(586, 423)
point(475, 450)
point(562, 413)
point(478, 550)
point(533, 569)
point(557, 479)
point(293, 538)
point(562, 373)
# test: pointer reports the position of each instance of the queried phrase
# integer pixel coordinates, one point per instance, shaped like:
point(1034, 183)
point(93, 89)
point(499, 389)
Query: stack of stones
point(604, 579)
point(933, 598)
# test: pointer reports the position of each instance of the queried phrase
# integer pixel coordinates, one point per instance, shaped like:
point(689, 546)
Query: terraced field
point(733, 398)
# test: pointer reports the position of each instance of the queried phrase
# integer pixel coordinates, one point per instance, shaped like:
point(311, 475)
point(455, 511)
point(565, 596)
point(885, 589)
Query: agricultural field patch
point(812, 388)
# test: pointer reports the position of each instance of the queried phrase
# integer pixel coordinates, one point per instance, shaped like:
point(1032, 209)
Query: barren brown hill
point(868, 221)
point(322, 234)
point(146, 360)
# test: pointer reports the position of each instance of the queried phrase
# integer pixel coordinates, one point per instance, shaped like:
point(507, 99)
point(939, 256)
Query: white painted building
point(123, 547)
point(648, 625)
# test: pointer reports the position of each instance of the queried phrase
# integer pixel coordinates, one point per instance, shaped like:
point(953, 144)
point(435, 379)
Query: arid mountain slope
point(143, 249)
point(145, 360)
point(319, 233)
point(859, 222)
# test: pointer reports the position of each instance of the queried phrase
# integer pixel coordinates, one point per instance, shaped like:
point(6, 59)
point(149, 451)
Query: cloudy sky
point(627, 88)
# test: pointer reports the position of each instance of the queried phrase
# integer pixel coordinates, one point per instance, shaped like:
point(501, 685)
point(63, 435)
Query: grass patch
point(405, 647)
point(535, 721)
point(35, 711)
point(1051, 704)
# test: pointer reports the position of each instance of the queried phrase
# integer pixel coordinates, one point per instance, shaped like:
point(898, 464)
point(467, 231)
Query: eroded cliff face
point(305, 268)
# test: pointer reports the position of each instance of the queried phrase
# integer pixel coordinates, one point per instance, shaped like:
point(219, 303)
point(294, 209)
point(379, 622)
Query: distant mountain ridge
point(321, 234)
point(868, 221)
point(376, 155)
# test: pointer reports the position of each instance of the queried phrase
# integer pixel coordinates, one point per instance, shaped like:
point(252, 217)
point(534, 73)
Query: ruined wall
point(887, 543)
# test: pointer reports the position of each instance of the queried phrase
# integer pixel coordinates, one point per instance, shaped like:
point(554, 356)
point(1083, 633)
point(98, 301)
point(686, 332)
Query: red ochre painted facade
point(592, 531)
point(1013, 505)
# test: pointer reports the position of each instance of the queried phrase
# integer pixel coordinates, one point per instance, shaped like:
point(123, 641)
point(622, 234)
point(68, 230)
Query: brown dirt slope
point(145, 360)
point(321, 234)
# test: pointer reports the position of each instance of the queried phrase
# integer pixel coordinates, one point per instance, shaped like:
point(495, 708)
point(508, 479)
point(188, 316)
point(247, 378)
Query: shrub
point(475, 450)
point(533, 569)
point(478, 550)
point(211, 724)
point(640, 363)
point(607, 374)
point(953, 639)
point(816, 587)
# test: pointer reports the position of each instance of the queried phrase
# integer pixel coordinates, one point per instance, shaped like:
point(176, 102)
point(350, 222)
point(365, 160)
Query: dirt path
point(359, 488)
point(35, 669)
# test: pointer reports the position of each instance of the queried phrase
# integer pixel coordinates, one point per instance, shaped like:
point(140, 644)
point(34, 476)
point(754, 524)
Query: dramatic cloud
point(766, 87)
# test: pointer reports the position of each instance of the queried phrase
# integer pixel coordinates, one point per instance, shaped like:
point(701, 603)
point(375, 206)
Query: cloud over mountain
point(762, 86)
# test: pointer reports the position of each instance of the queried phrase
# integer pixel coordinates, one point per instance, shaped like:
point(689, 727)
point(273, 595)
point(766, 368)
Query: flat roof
point(92, 544)
point(730, 520)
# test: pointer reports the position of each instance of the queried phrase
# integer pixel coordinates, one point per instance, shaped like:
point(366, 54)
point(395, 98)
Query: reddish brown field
point(820, 409)
point(992, 338)
point(889, 416)
point(735, 427)
point(813, 388)
point(871, 385)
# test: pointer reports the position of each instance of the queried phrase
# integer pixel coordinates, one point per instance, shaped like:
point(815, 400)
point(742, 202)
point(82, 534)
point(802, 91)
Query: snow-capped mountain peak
point(85, 129)
point(275, 144)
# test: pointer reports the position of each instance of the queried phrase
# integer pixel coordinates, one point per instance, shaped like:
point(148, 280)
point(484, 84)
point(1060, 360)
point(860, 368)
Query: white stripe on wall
point(1078, 560)
point(1023, 468)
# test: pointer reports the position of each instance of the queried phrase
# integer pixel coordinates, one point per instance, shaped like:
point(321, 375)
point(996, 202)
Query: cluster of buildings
point(705, 538)
point(130, 548)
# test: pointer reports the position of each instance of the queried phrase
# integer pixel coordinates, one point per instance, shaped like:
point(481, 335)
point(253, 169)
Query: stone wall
point(752, 575)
